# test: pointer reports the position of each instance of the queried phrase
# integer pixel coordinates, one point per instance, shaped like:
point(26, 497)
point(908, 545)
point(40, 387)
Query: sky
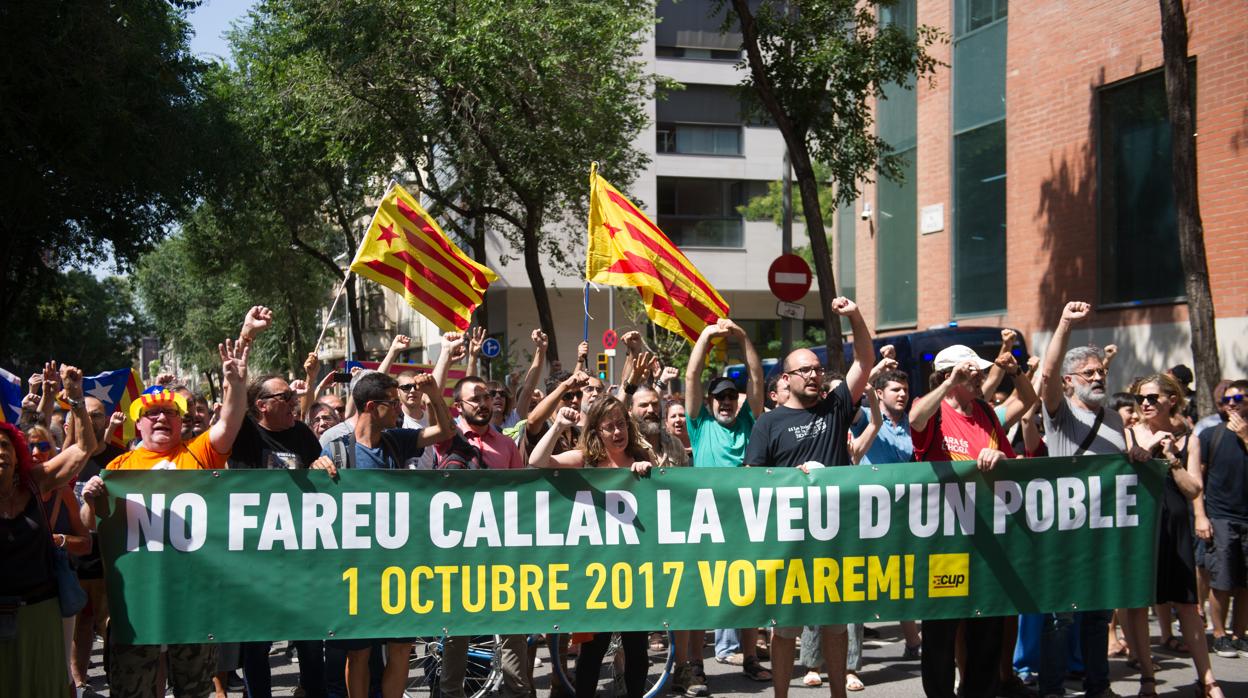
point(211, 20)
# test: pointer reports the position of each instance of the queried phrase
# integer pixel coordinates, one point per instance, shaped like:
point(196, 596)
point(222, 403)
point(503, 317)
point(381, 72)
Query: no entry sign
point(609, 339)
point(789, 277)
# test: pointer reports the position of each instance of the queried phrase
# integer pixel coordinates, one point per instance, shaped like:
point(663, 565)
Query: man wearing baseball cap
point(953, 423)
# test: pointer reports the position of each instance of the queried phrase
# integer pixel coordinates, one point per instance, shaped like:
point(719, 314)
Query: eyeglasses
point(807, 371)
point(407, 387)
point(1089, 374)
point(166, 412)
point(499, 393)
point(570, 396)
point(392, 404)
point(285, 396)
point(1233, 399)
point(1151, 398)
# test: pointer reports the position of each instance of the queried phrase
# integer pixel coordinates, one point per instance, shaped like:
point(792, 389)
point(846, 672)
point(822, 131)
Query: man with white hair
point(1076, 422)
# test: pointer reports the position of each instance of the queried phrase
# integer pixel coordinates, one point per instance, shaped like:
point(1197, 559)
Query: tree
point(498, 107)
point(1200, 315)
point(103, 134)
point(815, 66)
point(78, 319)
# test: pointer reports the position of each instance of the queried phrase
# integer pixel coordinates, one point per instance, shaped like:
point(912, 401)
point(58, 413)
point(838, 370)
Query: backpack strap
point(1096, 427)
point(342, 451)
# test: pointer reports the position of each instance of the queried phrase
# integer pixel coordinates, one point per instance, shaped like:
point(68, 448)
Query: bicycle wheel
point(481, 667)
point(611, 672)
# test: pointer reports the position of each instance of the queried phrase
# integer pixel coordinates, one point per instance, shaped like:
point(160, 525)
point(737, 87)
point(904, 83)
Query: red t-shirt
point(958, 437)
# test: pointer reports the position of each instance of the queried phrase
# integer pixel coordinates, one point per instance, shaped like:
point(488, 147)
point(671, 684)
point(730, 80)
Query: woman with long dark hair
point(609, 440)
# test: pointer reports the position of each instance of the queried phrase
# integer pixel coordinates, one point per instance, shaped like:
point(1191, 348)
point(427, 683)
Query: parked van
point(915, 353)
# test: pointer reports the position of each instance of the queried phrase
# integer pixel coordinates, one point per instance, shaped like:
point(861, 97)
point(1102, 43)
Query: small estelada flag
point(116, 389)
point(627, 249)
point(406, 251)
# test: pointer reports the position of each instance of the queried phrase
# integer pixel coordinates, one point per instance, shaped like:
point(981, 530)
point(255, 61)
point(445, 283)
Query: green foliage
point(104, 136)
point(827, 61)
point(771, 205)
point(80, 320)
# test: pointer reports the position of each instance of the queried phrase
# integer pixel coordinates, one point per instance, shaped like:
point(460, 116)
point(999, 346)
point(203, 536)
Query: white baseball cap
point(956, 354)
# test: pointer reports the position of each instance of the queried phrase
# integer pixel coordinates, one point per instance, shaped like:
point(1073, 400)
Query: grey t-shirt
point(1064, 431)
point(337, 431)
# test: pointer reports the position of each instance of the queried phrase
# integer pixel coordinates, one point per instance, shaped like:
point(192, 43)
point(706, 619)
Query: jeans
point(1027, 648)
point(983, 654)
point(727, 641)
point(258, 673)
point(1093, 637)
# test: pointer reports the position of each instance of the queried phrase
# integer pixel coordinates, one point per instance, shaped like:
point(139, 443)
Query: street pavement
point(883, 672)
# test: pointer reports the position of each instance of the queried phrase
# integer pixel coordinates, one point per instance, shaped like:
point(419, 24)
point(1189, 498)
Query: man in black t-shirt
point(271, 438)
point(811, 431)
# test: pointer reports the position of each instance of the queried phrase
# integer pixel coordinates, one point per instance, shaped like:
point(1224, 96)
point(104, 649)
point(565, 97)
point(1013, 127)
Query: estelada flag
point(627, 249)
point(10, 397)
point(116, 389)
point(406, 251)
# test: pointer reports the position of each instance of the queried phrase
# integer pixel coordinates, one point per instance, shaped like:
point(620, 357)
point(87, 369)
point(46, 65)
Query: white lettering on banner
point(493, 519)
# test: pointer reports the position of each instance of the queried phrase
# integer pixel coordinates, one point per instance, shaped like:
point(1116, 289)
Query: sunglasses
point(286, 396)
point(41, 445)
point(1233, 399)
point(407, 387)
point(569, 397)
point(499, 393)
point(1151, 398)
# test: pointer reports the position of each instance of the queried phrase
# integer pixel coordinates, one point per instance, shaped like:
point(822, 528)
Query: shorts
point(792, 632)
point(357, 644)
point(132, 669)
point(1226, 555)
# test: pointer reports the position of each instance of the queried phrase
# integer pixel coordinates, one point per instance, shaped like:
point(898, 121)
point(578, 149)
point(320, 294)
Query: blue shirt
point(715, 445)
point(891, 445)
point(407, 450)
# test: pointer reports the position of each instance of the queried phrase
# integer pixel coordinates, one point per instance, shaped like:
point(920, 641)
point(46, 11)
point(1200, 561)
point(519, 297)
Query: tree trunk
point(799, 155)
point(809, 189)
point(1200, 315)
point(533, 265)
point(478, 253)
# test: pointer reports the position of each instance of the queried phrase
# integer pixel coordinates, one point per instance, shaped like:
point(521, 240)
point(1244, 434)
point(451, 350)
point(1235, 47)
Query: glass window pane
point(897, 246)
point(979, 78)
point(979, 221)
point(1139, 257)
point(703, 212)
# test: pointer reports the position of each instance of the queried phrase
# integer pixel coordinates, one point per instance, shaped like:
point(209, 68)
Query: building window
point(896, 203)
point(698, 139)
point(704, 212)
point(1139, 236)
point(979, 243)
point(694, 30)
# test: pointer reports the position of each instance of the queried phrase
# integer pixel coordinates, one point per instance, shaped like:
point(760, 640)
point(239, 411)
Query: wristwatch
point(72, 402)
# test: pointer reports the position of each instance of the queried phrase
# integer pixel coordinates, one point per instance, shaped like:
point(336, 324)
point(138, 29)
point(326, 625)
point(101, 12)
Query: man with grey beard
point(1076, 422)
point(647, 409)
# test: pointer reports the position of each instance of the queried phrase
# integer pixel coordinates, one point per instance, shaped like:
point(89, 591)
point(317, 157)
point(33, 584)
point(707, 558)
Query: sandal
point(812, 679)
point(853, 683)
point(1174, 645)
point(1206, 689)
point(755, 671)
point(1151, 690)
point(1134, 663)
point(735, 659)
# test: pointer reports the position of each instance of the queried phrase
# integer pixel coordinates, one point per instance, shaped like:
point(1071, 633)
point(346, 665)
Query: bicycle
point(482, 672)
point(611, 673)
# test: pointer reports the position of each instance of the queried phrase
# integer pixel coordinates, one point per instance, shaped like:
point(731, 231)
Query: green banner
point(257, 555)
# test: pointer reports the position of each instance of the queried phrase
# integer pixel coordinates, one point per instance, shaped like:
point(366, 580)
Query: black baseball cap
point(720, 384)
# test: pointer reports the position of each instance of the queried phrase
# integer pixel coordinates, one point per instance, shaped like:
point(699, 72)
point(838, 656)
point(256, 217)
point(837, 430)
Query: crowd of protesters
point(986, 411)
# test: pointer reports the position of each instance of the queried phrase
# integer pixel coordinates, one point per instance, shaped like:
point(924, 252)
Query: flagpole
point(329, 316)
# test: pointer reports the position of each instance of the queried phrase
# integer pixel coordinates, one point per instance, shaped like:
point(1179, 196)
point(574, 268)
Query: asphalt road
point(883, 673)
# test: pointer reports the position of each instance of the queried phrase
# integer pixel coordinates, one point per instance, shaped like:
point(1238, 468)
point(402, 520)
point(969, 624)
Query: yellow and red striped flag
point(406, 251)
point(627, 249)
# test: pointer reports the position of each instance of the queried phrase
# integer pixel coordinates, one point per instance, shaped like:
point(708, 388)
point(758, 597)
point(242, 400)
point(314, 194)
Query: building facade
point(1038, 171)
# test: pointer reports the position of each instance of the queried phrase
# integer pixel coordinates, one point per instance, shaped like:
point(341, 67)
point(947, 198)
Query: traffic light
point(602, 367)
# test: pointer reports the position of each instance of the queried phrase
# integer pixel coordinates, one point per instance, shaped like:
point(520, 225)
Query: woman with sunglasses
point(610, 439)
point(1162, 431)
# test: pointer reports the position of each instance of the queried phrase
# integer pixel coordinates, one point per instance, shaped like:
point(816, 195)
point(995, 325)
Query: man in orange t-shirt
point(158, 419)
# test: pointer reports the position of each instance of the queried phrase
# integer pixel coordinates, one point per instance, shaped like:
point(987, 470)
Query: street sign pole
point(786, 247)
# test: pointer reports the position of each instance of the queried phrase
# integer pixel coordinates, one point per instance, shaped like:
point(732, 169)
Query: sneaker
point(1225, 647)
point(912, 653)
point(1241, 645)
point(680, 679)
